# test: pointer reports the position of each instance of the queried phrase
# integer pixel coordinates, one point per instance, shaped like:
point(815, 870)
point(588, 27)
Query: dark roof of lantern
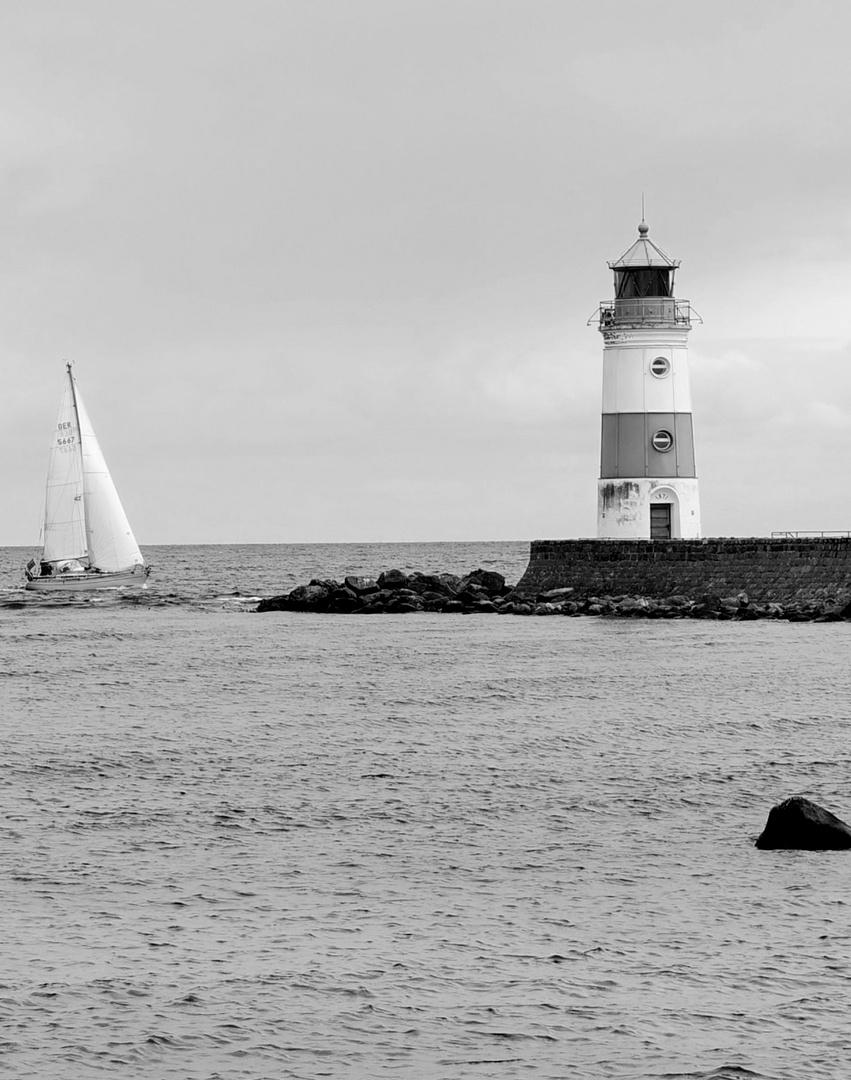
point(643, 253)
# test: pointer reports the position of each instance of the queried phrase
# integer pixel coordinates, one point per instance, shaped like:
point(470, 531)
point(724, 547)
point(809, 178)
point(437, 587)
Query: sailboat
point(87, 540)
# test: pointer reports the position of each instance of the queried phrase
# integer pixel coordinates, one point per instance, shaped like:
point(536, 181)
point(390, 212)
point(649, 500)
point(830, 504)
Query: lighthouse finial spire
point(643, 228)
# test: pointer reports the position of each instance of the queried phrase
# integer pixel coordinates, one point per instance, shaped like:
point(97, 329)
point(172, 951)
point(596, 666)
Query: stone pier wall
point(783, 571)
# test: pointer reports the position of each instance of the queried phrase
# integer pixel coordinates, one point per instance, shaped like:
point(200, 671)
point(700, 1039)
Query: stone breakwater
point(485, 592)
point(396, 591)
point(800, 575)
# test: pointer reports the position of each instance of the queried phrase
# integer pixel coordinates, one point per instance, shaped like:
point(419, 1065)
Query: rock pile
point(739, 607)
point(485, 592)
point(395, 591)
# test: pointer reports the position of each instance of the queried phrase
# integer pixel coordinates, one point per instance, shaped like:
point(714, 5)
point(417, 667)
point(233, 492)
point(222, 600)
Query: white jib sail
point(111, 543)
point(64, 528)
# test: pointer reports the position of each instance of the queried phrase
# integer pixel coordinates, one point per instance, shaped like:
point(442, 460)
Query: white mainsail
point(64, 529)
point(109, 538)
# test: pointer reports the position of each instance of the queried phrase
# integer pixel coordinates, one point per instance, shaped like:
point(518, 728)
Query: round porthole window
point(660, 366)
point(663, 441)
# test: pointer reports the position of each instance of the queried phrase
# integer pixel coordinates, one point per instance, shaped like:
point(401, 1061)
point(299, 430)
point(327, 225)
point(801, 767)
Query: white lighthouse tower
point(648, 482)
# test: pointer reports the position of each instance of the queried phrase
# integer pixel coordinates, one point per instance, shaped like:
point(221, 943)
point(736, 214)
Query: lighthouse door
point(660, 521)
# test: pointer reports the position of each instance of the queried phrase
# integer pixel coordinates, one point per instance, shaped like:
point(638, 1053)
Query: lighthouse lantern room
point(648, 482)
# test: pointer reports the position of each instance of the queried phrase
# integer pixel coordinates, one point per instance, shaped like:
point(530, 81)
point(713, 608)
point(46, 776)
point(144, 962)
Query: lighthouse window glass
point(633, 284)
point(660, 366)
point(663, 441)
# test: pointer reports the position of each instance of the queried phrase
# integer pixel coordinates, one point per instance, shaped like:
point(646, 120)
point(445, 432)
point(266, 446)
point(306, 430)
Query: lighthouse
point(648, 482)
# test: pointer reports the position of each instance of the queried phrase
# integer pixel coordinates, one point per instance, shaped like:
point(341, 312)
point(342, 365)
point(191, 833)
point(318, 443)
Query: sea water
point(240, 845)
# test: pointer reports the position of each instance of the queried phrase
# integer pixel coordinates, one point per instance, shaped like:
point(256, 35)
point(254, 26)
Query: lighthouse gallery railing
point(647, 311)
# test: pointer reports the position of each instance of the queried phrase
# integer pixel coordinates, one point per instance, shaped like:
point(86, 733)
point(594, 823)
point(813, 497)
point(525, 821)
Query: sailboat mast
point(74, 398)
point(68, 366)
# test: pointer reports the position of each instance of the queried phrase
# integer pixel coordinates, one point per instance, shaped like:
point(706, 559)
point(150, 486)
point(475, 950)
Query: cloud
point(522, 381)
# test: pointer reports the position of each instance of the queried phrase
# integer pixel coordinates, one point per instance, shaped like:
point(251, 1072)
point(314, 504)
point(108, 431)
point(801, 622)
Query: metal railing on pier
point(806, 533)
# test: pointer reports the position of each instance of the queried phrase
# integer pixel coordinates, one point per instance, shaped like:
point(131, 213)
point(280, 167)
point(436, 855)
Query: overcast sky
point(325, 267)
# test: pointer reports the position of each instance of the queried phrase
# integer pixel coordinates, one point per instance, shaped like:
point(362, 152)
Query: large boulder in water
point(798, 824)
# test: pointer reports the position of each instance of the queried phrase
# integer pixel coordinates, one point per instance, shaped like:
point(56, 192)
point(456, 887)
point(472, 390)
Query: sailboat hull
point(136, 577)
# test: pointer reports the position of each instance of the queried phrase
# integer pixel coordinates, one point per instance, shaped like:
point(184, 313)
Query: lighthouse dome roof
point(643, 253)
